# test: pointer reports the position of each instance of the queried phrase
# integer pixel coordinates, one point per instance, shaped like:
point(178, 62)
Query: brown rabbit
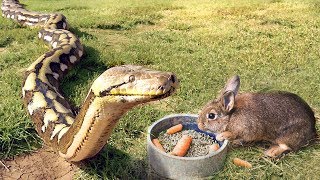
point(282, 118)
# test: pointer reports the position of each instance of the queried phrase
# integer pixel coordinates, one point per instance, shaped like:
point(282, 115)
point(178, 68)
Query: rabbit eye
point(211, 116)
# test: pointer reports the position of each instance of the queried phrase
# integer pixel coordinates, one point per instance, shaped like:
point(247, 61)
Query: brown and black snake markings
point(117, 90)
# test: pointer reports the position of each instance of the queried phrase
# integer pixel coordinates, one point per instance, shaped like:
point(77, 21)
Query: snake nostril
point(172, 78)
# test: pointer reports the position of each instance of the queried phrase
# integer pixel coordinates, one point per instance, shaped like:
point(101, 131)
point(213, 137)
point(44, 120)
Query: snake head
point(134, 84)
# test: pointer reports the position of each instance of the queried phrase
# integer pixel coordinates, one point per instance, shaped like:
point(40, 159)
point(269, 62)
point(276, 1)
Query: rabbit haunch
point(282, 118)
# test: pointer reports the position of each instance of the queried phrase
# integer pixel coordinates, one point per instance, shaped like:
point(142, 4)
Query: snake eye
point(132, 78)
point(212, 116)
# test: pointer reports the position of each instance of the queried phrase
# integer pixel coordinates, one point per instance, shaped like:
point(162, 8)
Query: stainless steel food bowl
point(164, 165)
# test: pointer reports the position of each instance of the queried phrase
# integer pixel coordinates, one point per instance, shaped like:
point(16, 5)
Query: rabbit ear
point(227, 100)
point(233, 85)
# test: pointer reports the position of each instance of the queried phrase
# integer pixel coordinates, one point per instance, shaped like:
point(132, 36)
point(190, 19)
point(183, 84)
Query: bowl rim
point(149, 141)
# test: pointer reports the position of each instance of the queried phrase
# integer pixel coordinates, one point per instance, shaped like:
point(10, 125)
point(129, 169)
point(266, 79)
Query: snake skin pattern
point(117, 90)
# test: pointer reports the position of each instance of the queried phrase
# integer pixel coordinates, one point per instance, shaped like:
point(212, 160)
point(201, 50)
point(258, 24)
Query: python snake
point(113, 93)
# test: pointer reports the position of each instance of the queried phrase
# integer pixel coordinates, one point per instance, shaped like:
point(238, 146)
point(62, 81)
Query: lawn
point(271, 44)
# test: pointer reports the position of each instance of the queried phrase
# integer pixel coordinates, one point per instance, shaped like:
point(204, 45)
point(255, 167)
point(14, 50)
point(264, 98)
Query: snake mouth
point(146, 96)
point(166, 94)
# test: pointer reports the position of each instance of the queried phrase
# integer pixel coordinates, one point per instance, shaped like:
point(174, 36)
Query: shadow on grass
point(11, 147)
point(5, 41)
point(82, 75)
point(112, 163)
point(81, 34)
point(126, 25)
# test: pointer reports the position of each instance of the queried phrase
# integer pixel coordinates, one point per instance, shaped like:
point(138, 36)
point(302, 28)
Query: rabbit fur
point(281, 118)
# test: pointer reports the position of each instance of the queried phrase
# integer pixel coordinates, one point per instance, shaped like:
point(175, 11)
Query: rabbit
point(281, 118)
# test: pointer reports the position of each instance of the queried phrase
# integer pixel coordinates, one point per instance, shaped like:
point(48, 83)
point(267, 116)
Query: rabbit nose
point(201, 126)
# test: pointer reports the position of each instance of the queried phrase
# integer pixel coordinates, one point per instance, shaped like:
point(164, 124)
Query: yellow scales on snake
point(117, 90)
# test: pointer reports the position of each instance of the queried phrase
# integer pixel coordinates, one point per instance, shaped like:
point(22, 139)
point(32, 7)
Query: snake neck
point(92, 127)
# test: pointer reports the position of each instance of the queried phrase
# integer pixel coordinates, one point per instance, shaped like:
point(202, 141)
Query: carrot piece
point(242, 163)
point(182, 146)
point(174, 129)
point(214, 147)
point(157, 143)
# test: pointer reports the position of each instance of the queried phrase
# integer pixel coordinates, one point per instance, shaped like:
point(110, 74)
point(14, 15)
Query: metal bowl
point(164, 165)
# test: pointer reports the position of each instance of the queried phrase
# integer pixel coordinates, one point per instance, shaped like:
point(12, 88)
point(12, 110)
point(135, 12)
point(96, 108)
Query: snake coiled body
point(117, 90)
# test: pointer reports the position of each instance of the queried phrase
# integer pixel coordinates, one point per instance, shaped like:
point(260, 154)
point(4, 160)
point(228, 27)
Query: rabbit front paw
point(225, 135)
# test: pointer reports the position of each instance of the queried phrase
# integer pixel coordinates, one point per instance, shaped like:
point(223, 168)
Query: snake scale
point(77, 136)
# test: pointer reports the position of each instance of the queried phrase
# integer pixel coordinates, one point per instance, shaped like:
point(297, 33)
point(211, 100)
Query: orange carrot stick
point(174, 129)
point(242, 163)
point(214, 147)
point(157, 143)
point(182, 146)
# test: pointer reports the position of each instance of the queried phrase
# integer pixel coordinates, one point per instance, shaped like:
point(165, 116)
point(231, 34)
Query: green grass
point(271, 44)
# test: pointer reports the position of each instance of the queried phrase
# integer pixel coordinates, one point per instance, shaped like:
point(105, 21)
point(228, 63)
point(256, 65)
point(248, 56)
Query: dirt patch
point(42, 164)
